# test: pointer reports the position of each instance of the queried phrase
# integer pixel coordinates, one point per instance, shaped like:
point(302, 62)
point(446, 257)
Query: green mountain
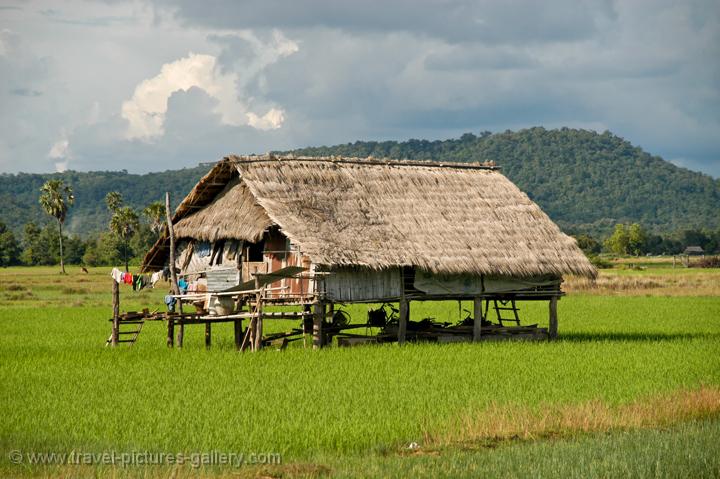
point(585, 181)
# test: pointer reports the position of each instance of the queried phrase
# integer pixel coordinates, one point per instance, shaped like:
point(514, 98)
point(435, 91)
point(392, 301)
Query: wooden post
point(404, 311)
point(171, 332)
point(181, 333)
point(207, 334)
point(477, 318)
point(116, 312)
point(171, 234)
point(553, 329)
point(258, 328)
point(318, 318)
point(403, 319)
point(237, 325)
point(173, 274)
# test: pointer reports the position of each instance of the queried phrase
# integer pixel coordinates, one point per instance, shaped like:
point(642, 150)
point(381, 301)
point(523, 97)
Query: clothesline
point(137, 281)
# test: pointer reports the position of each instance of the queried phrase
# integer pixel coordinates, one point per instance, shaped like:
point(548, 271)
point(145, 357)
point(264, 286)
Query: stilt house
point(348, 230)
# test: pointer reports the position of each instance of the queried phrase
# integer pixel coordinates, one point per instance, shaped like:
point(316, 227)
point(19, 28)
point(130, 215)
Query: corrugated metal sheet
point(222, 279)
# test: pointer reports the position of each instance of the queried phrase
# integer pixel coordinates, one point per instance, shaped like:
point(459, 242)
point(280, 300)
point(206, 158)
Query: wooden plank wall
point(360, 284)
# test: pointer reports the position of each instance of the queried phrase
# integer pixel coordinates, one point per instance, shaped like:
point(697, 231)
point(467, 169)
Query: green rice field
point(609, 398)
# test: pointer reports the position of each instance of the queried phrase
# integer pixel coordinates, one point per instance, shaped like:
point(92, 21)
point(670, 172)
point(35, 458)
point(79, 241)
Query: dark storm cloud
point(647, 71)
point(453, 20)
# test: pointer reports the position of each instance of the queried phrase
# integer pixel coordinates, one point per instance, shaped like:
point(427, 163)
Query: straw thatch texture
point(443, 219)
point(233, 213)
point(449, 218)
point(203, 193)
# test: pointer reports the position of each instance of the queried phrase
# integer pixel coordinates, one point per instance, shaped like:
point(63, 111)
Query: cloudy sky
point(152, 85)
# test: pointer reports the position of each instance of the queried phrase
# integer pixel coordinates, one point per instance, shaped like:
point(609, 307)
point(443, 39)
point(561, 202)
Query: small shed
point(694, 251)
point(351, 230)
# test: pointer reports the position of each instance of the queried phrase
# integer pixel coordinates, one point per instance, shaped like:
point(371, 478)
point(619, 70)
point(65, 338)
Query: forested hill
point(19, 195)
point(585, 181)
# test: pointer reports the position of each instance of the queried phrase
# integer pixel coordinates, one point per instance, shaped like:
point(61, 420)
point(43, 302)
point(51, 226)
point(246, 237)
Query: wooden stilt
point(258, 320)
point(318, 318)
point(208, 332)
point(477, 318)
point(181, 333)
point(116, 312)
point(553, 329)
point(404, 307)
point(237, 327)
point(171, 234)
point(403, 319)
point(171, 332)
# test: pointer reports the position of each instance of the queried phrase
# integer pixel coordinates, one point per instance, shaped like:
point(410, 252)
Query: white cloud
point(60, 153)
point(147, 108)
point(272, 120)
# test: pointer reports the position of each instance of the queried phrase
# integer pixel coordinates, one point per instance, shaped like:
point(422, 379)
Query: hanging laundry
point(166, 273)
point(183, 285)
point(170, 302)
point(156, 276)
point(116, 275)
point(139, 282)
point(128, 278)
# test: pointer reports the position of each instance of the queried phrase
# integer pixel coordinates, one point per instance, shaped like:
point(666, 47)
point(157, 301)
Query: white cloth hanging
point(117, 275)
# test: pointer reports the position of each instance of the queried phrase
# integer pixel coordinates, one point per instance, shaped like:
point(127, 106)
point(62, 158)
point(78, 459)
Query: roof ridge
point(370, 160)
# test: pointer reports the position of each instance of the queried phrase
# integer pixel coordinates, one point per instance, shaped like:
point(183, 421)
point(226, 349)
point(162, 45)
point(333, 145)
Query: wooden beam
point(318, 318)
point(116, 312)
point(553, 329)
point(477, 318)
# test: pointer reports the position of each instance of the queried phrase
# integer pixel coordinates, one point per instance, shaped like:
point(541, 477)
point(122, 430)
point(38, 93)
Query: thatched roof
point(444, 218)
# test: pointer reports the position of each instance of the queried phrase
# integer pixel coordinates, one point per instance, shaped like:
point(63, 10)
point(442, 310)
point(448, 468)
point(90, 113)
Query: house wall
point(362, 284)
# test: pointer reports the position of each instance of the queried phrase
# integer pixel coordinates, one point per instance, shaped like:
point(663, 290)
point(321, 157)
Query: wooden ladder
point(504, 307)
point(133, 333)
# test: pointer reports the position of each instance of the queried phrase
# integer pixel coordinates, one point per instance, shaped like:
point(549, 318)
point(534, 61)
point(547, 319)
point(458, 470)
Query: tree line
point(129, 234)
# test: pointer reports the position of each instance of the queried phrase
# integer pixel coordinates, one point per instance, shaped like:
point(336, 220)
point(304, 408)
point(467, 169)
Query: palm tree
point(123, 223)
point(55, 198)
point(155, 213)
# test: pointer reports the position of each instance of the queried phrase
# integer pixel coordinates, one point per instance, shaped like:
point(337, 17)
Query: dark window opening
point(255, 253)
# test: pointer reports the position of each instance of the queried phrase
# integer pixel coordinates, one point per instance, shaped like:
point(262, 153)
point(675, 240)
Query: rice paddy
point(631, 379)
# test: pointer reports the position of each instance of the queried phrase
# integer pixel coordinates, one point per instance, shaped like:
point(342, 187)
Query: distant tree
point(155, 214)
point(636, 239)
point(588, 244)
point(113, 200)
point(30, 243)
point(55, 198)
point(9, 247)
point(619, 241)
point(124, 222)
